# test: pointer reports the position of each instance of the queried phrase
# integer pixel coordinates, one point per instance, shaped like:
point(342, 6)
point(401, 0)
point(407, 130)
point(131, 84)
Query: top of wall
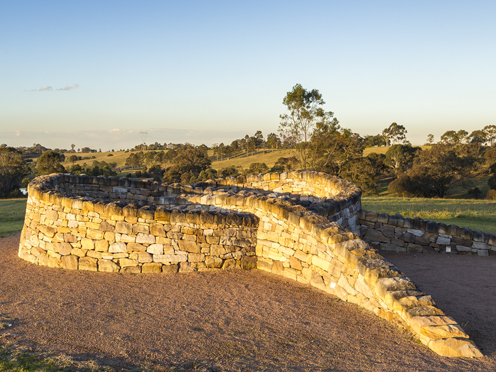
point(121, 195)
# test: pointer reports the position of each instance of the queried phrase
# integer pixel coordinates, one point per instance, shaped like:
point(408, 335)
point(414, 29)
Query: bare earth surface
point(235, 320)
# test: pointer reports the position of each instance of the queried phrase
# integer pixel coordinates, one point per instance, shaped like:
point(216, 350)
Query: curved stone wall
point(291, 224)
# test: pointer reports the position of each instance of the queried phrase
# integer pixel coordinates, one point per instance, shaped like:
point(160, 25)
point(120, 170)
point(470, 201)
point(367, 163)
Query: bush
point(402, 186)
point(110, 155)
point(491, 195)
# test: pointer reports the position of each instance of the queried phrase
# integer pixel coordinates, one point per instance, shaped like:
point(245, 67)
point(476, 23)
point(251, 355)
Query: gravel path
point(215, 321)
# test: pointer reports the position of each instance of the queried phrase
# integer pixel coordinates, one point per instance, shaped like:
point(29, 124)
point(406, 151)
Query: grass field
point(474, 214)
point(12, 215)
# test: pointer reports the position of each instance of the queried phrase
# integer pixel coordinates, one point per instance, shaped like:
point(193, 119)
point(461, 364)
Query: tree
point(399, 156)
point(394, 134)
point(477, 136)
point(273, 141)
point(363, 173)
point(490, 132)
point(72, 147)
point(305, 111)
point(454, 138)
point(331, 147)
point(430, 139)
point(49, 162)
point(191, 161)
point(73, 158)
point(12, 170)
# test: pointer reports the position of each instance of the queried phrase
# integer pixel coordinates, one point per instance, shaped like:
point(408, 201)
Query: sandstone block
point(393, 284)
point(117, 247)
point(214, 262)
point(130, 270)
point(101, 246)
point(188, 246)
point(157, 249)
point(151, 268)
point(194, 257)
point(144, 257)
point(124, 228)
point(170, 268)
point(88, 263)
point(108, 266)
point(453, 347)
point(145, 238)
point(135, 247)
point(69, 262)
point(124, 262)
point(64, 249)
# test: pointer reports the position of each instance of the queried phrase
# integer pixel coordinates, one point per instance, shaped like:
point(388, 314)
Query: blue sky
point(96, 73)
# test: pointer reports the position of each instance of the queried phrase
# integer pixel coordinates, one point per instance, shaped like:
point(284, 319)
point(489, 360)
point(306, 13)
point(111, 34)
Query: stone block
point(124, 228)
point(108, 266)
point(453, 347)
point(101, 246)
point(189, 246)
point(135, 247)
point(214, 262)
point(69, 262)
point(151, 268)
point(157, 249)
point(375, 236)
point(145, 238)
point(117, 247)
point(170, 268)
point(88, 263)
point(393, 284)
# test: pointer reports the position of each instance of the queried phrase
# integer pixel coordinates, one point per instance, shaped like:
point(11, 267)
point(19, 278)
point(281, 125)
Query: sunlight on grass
point(474, 214)
point(12, 213)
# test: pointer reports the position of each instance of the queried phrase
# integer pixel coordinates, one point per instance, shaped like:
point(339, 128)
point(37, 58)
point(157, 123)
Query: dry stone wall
point(290, 224)
point(400, 234)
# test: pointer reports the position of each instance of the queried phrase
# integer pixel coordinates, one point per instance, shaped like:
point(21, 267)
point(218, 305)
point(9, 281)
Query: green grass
point(474, 214)
point(17, 360)
point(12, 213)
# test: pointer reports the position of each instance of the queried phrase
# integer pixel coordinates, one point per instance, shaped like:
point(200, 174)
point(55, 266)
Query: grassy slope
point(12, 215)
point(474, 214)
point(118, 156)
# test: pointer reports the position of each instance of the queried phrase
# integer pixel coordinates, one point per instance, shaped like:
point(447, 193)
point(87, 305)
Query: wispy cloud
point(73, 86)
point(48, 88)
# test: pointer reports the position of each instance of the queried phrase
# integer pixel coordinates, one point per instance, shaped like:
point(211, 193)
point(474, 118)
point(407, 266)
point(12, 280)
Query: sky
point(97, 73)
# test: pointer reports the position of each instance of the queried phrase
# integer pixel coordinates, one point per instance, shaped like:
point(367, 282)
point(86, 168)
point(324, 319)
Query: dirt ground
point(235, 320)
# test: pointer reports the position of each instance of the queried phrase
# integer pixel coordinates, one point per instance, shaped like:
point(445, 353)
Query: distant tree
point(361, 172)
point(374, 141)
point(287, 164)
point(430, 139)
point(190, 161)
point(477, 136)
point(305, 111)
point(12, 170)
point(454, 138)
point(229, 172)
point(394, 134)
point(332, 147)
point(73, 158)
point(257, 168)
point(273, 141)
point(399, 156)
point(259, 139)
point(49, 162)
point(72, 147)
point(490, 133)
